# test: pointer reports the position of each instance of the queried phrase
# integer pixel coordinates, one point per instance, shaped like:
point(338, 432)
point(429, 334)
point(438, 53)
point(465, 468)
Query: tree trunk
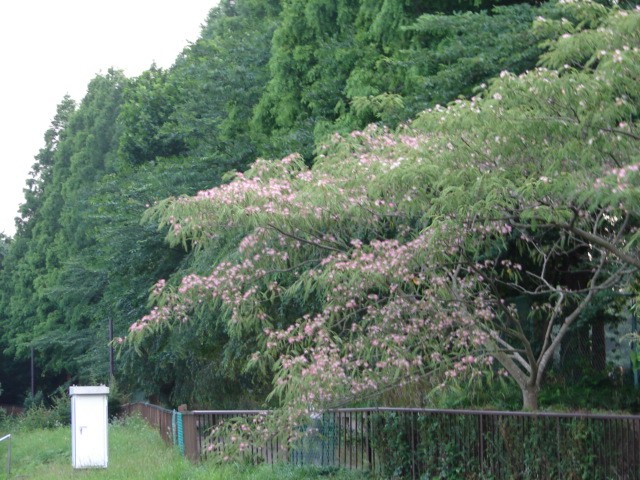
point(530, 398)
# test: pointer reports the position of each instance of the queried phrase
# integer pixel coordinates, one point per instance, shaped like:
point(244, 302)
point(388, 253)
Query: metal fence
point(423, 443)
point(7, 439)
point(176, 428)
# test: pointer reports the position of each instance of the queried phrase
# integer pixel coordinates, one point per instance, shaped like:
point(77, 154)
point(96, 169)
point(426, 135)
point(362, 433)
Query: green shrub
point(38, 417)
point(34, 400)
point(593, 391)
point(116, 399)
point(61, 407)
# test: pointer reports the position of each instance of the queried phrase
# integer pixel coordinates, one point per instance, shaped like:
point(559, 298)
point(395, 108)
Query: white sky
point(49, 48)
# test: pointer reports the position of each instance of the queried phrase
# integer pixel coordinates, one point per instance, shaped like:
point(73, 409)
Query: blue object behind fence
point(178, 431)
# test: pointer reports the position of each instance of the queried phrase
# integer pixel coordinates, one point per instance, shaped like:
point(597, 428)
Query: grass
point(135, 452)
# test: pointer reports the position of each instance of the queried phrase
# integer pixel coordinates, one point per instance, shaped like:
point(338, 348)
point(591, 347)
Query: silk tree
point(394, 260)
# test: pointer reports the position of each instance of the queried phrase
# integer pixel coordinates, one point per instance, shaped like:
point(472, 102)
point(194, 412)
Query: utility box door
point(89, 427)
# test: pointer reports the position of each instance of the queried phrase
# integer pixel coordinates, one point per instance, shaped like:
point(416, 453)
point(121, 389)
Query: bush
point(39, 417)
point(61, 407)
point(34, 400)
point(115, 401)
point(593, 391)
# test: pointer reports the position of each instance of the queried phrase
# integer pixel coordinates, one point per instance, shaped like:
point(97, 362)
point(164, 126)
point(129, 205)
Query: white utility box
point(89, 426)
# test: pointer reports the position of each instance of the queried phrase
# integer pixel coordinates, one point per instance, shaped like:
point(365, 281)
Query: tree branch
point(303, 240)
point(510, 365)
point(621, 132)
point(547, 335)
point(588, 236)
point(601, 242)
point(509, 350)
point(608, 283)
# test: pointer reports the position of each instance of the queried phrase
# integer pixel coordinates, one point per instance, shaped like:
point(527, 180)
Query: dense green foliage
point(267, 79)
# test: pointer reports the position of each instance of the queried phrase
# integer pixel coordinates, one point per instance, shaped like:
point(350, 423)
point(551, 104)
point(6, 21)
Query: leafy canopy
point(393, 260)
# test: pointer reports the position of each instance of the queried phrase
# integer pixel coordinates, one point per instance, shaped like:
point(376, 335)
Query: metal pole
point(111, 359)
point(33, 377)
point(8, 437)
point(634, 351)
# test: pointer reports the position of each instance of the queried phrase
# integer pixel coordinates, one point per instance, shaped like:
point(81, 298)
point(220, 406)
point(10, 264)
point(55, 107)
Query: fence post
point(481, 440)
point(191, 436)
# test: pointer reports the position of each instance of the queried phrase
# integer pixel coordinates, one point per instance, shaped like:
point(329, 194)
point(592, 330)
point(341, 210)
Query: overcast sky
point(49, 48)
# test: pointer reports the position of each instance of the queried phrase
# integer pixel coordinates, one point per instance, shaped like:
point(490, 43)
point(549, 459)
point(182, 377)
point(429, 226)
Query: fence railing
point(7, 438)
point(419, 443)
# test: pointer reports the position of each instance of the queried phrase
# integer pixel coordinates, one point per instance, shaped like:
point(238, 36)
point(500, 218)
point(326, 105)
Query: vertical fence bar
point(355, 444)
point(491, 434)
point(607, 436)
point(341, 444)
point(630, 446)
point(339, 430)
point(624, 452)
point(629, 442)
point(334, 436)
point(558, 439)
point(635, 447)
point(481, 442)
point(363, 424)
point(363, 416)
point(413, 445)
point(620, 456)
point(622, 462)
point(370, 433)
point(343, 438)
point(366, 447)
point(615, 439)
point(349, 432)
